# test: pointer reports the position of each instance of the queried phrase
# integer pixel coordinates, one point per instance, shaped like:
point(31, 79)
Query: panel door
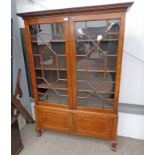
point(96, 40)
point(49, 55)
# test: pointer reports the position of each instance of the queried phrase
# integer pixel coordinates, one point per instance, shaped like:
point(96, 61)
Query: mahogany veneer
point(75, 58)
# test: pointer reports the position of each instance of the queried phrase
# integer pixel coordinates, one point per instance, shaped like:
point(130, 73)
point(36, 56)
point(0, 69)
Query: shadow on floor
point(54, 143)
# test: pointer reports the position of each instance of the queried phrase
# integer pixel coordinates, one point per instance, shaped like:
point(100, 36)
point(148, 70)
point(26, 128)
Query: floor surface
point(54, 143)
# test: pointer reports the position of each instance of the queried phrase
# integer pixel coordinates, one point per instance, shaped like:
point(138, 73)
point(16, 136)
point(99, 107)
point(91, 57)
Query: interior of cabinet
point(96, 55)
point(49, 57)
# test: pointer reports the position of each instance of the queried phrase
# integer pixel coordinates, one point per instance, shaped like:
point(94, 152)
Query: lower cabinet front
point(77, 122)
point(97, 125)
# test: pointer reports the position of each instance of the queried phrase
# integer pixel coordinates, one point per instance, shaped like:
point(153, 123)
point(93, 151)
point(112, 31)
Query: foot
point(114, 146)
point(38, 133)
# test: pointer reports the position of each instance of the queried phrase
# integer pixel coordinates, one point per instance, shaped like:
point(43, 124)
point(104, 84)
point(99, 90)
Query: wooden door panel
point(94, 60)
point(54, 119)
point(77, 122)
point(49, 56)
point(94, 124)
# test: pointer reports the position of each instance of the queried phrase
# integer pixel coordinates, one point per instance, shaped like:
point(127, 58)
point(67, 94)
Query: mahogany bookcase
point(75, 58)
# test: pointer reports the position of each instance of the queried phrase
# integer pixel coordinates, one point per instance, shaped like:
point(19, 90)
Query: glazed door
point(49, 54)
point(95, 51)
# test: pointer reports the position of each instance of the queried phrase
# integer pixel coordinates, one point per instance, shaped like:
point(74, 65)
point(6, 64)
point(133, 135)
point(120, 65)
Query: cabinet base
point(99, 125)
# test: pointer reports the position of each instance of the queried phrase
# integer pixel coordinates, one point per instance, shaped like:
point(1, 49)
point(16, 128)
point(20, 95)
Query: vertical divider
point(73, 62)
point(68, 62)
point(29, 51)
point(119, 61)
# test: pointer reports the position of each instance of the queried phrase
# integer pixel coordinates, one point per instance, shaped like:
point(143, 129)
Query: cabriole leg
point(38, 132)
point(114, 146)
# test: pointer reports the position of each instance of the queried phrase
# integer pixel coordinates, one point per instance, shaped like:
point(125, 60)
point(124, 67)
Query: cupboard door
point(96, 46)
point(97, 125)
point(48, 43)
point(53, 118)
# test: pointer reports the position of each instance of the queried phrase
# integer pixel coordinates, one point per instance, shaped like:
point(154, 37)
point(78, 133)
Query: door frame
point(49, 20)
point(98, 16)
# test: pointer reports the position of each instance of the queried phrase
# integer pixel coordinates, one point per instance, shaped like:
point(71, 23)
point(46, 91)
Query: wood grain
point(118, 7)
point(71, 118)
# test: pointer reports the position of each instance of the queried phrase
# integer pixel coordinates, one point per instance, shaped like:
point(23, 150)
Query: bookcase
point(75, 58)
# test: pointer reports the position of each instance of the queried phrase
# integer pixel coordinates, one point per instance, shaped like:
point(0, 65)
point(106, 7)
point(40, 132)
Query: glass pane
point(49, 57)
point(96, 55)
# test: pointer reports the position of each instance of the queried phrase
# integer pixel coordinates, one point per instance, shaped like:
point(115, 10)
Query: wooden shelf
point(107, 104)
point(112, 33)
point(87, 40)
point(111, 55)
point(57, 86)
point(96, 69)
point(58, 41)
point(63, 41)
point(38, 55)
point(53, 41)
point(108, 55)
point(62, 86)
point(89, 101)
point(51, 69)
point(51, 97)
